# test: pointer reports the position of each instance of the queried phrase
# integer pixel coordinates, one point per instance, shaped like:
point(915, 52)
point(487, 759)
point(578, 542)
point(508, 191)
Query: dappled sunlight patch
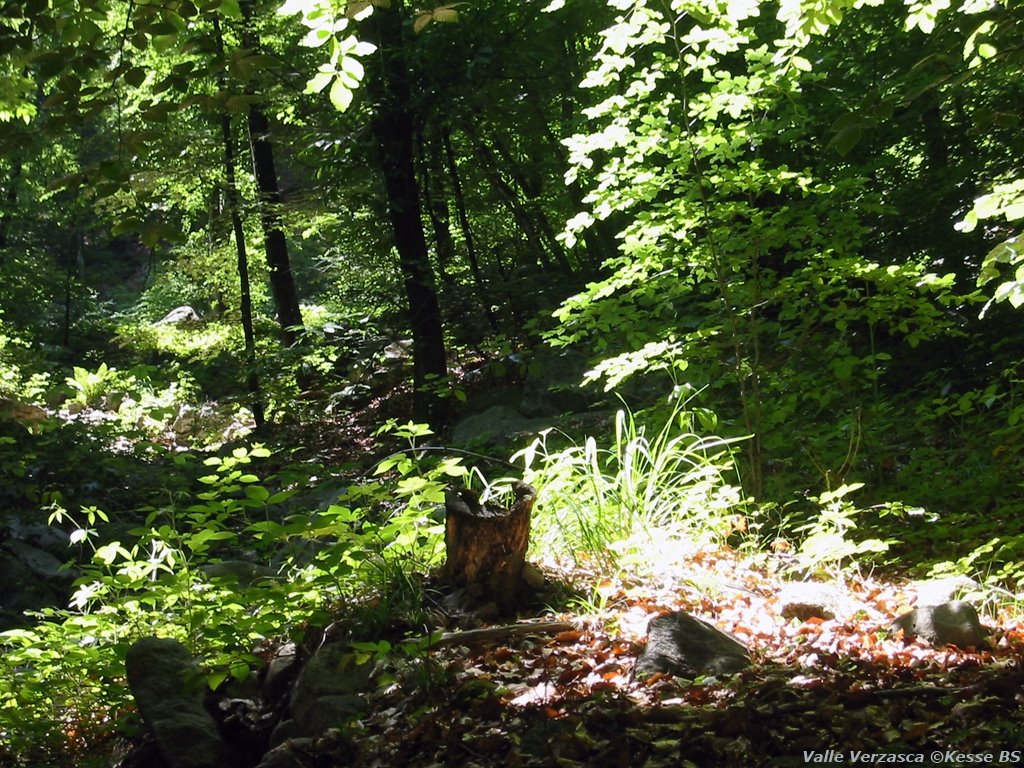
point(818, 680)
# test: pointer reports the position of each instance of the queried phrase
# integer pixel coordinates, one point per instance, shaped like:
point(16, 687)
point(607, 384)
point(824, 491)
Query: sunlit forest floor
point(562, 690)
point(569, 697)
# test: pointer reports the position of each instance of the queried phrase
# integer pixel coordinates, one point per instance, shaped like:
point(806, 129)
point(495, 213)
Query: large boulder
point(495, 427)
point(683, 645)
point(955, 623)
point(554, 384)
point(159, 671)
point(939, 591)
point(30, 578)
point(22, 413)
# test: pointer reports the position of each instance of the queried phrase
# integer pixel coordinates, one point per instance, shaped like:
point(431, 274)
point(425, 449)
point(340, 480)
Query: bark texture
point(389, 87)
point(486, 544)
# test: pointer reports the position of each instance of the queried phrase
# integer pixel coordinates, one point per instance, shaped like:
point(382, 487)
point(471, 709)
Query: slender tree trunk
point(393, 130)
point(75, 261)
point(508, 195)
point(530, 218)
point(437, 207)
point(467, 232)
point(231, 195)
point(282, 283)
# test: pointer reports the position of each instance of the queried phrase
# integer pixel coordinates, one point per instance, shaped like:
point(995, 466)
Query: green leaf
point(135, 76)
point(340, 95)
point(319, 81)
point(231, 9)
point(257, 493)
point(847, 138)
point(164, 43)
point(214, 679)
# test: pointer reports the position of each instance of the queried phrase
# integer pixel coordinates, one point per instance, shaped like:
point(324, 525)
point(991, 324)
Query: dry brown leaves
point(569, 698)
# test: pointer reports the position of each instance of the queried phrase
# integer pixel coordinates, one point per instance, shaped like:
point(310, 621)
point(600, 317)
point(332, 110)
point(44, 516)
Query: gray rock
point(22, 413)
point(683, 645)
point(240, 572)
point(939, 591)
point(803, 600)
point(954, 623)
point(186, 734)
point(279, 673)
point(495, 426)
point(40, 562)
point(331, 712)
point(327, 689)
point(282, 732)
point(554, 384)
point(30, 578)
point(179, 315)
point(296, 753)
point(397, 351)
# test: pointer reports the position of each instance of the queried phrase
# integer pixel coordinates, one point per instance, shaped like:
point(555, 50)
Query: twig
point(499, 633)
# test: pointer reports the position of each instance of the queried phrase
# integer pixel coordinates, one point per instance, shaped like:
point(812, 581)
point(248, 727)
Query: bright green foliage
point(17, 379)
point(178, 574)
point(1007, 201)
point(736, 252)
point(343, 71)
point(618, 505)
point(827, 546)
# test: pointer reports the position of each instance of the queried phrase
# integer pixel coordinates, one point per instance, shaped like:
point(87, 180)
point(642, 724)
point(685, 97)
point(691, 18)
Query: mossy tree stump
point(486, 544)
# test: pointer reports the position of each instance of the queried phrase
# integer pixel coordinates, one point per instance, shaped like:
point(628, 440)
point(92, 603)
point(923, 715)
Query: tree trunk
point(231, 195)
point(467, 233)
point(530, 218)
point(486, 545)
point(437, 207)
point(282, 283)
point(75, 261)
point(393, 129)
point(10, 201)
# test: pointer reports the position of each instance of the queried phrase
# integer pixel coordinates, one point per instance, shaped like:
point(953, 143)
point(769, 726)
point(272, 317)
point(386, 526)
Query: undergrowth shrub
point(225, 569)
point(650, 493)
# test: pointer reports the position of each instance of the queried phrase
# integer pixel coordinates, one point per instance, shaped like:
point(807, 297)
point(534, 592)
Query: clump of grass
point(645, 497)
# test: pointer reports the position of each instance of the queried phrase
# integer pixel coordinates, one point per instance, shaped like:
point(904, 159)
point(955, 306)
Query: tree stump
point(486, 545)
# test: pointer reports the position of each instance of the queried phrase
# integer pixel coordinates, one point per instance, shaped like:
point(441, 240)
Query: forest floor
point(565, 695)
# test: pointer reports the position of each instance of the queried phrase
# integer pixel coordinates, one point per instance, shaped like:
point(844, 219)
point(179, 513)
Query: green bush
point(613, 506)
point(224, 569)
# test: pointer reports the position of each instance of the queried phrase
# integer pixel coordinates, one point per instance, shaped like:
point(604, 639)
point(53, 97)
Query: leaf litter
point(569, 697)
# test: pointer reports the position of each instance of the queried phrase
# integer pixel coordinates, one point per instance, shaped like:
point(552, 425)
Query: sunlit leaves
point(922, 15)
point(444, 14)
point(978, 48)
point(1005, 201)
point(343, 72)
